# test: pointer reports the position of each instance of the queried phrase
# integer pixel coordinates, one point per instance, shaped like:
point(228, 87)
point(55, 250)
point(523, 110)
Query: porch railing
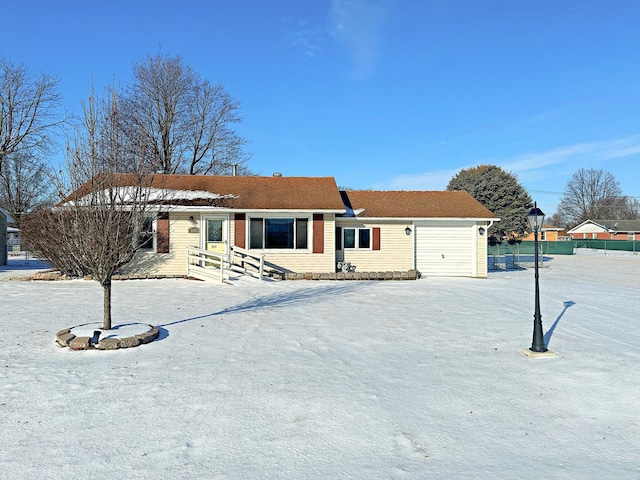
point(242, 261)
point(205, 265)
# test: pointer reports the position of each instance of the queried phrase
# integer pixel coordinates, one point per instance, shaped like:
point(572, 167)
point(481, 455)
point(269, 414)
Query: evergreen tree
point(501, 193)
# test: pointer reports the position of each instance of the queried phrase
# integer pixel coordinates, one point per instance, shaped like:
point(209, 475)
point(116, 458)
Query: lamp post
point(536, 217)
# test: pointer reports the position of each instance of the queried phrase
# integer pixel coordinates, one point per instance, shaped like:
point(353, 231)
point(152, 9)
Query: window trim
point(153, 232)
point(357, 238)
point(254, 219)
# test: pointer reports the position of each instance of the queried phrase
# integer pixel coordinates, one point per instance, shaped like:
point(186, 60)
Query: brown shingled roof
point(251, 192)
point(273, 193)
point(416, 204)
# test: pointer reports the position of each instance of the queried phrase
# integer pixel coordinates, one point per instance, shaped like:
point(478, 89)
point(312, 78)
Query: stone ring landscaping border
point(65, 338)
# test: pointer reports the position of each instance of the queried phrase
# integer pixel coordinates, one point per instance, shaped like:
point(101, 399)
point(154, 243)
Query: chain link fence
point(522, 255)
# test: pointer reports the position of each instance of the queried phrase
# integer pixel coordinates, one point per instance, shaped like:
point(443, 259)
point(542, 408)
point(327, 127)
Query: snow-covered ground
point(332, 380)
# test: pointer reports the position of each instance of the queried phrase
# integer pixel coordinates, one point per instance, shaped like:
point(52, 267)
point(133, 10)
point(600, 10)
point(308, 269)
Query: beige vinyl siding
point(396, 247)
point(174, 262)
point(482, 251)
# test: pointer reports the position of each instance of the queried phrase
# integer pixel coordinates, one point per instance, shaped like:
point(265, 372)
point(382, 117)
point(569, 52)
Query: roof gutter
point(204, 208)
point(423, 219)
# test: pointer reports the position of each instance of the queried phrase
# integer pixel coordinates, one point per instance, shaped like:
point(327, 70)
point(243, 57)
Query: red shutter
point(318, 233)
point(240, 227)
point(162, 233)
point(376, 238)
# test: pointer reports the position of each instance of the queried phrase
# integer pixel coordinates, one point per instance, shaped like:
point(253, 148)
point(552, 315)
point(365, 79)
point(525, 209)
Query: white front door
point(215, 234)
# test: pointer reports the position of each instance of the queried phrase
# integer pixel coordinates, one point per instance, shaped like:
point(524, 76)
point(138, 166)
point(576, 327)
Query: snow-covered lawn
point(331, 380)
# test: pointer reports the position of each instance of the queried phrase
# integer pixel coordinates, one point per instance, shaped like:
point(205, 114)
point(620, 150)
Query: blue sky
point(380, 94)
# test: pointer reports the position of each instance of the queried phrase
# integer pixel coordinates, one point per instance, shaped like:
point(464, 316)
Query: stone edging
point(65, 338)
point(53, 275)
point(387, 275)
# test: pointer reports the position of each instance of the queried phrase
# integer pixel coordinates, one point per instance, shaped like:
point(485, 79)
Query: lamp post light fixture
point(536, 217)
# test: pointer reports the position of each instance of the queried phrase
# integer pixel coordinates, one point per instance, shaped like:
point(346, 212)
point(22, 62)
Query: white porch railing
point(206, 265)
point(242, 261)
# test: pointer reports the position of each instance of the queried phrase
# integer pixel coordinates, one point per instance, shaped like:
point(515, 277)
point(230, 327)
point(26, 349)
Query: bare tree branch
point(25, 184)
point(594, 194)
point(29, 110)
point(186, 120)
point(95, 230)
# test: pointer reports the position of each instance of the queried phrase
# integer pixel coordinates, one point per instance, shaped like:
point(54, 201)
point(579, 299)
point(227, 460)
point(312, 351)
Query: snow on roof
point(127, 195)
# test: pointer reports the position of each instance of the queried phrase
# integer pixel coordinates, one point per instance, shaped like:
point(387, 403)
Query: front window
point(278, 233)
point(145, 238)
point(356, 238)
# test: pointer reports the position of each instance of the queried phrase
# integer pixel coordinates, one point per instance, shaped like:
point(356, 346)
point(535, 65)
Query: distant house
point(5, 219)
point(547, 233)
point(305, 224)
point(14, 239)
point(607, 230)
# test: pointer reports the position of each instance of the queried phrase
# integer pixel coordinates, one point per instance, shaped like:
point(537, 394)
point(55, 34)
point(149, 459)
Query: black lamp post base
point(531, 354)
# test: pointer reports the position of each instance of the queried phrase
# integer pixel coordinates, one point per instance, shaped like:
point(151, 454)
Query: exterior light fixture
point(536, 217)
point(481, 230)
point(407, 231)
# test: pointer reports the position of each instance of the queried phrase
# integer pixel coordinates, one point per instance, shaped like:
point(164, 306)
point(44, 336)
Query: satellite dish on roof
point(277, 174)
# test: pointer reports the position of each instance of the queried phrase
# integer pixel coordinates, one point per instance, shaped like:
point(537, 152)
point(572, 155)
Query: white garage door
point(446, 250)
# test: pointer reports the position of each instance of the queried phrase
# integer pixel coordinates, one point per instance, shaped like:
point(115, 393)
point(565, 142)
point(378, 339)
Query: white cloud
point(539, 160)
point(307, 39)
point(357, 25)
point(437, 180)
point(587, 155)
point(532, 166)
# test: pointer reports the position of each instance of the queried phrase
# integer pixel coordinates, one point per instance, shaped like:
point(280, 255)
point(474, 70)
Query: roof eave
point(418, 219)
point(187, 208)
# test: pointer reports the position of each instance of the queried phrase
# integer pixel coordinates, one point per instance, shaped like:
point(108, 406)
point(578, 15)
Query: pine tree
point(501, 193)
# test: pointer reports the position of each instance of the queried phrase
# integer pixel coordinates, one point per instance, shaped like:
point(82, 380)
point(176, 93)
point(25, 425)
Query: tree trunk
point(106, 302)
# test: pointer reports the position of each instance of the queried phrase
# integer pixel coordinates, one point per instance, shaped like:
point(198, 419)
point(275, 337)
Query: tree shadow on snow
point(278, 300)
point(547, 336)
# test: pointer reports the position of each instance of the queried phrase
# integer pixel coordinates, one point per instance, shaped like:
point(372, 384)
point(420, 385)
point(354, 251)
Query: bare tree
point(29, 110)
point(98, 226)
point(186, 120)
point(25, 184)
point(594, 194)
point(213, 147)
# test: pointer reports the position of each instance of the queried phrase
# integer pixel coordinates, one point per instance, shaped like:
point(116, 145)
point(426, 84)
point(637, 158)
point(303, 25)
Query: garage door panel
point(445, 251)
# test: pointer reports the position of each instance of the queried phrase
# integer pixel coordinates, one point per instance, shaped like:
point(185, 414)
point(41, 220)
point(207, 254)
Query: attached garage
point(440, 234)
point(446, 248)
